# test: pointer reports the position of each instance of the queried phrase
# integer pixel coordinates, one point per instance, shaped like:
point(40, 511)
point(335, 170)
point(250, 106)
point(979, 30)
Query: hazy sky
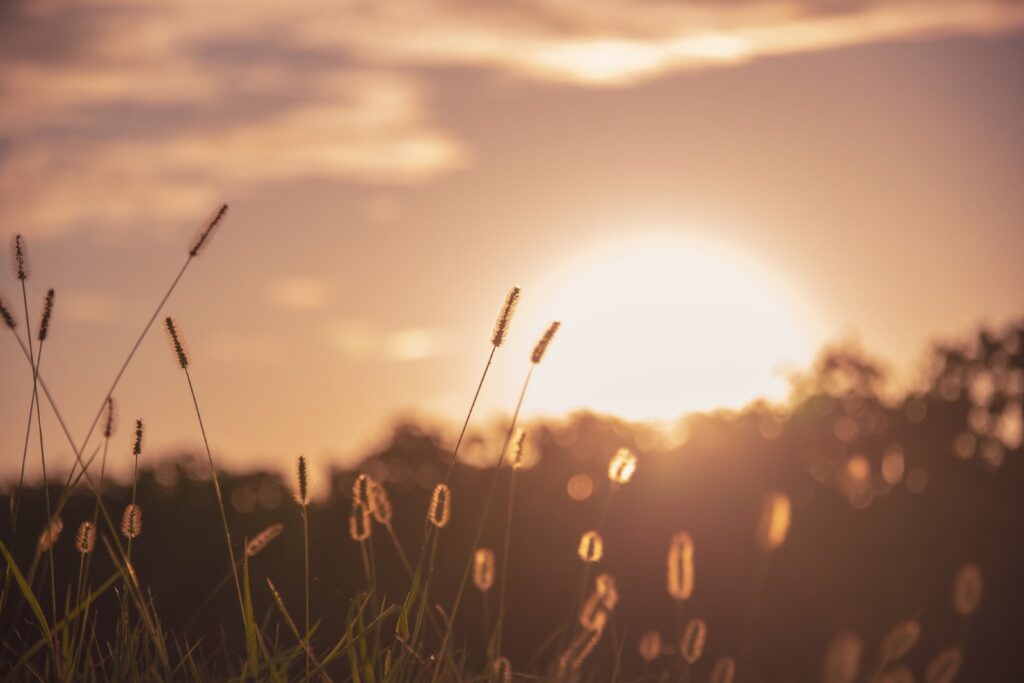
point(703, 192)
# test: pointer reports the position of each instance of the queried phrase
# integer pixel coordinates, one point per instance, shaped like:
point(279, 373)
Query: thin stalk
point(483, 518)
point(220, 497)
point(132, 352)
point(503, 579)
point(305, 545)
point(399, 549)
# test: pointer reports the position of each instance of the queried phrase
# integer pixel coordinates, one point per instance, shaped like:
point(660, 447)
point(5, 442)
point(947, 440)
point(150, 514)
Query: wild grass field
point(851, 535)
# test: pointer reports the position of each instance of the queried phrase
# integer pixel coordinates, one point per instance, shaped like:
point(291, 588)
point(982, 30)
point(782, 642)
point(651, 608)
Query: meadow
point(850, 535)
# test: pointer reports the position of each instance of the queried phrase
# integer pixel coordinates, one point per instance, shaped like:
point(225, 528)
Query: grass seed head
point(5, 313)
point(361, 490)
point(724, 670)
point(622, 466)
point(359, 522)
point(501, 325)
point(302, 478)
point(131, 521)
point(111, 422)
point(945, 667)
point(680, 566)
point(20, 258)
point(842, 659)
point(773, 524)
point(483, 569)
point(50, 534)
point(44, 320)
point(380, 504)
point(502, 669)
point(650, 645)
point(691, 646)
point(207, 232)
point(900, 639)
point(440, 506)
point(542, 344)
point(140, 437)
point(967, 589)
point(176, 342)
point(85, 539)
point(257, 543)
point(591, 547)
point(515, 448)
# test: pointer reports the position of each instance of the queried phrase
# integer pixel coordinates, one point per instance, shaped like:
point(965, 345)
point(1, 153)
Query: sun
point(657, 326)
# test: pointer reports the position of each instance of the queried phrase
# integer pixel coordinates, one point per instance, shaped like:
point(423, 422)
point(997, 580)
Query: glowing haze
point(702, 192)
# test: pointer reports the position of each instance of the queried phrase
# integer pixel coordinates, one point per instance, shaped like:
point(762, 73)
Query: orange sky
point(734, 186)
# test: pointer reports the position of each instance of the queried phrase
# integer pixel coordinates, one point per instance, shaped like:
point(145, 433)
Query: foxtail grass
point(535, 359)
point(178, 347)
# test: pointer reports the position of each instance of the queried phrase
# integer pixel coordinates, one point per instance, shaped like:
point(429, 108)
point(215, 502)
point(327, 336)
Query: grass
point(388, 636)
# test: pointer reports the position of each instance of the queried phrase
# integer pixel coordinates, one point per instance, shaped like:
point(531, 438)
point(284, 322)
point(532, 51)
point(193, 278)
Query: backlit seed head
point(483, 569)
point(20, 258)
point(773, 524)
point(579, 649)
point(111, 422)
point(131, 521)
point(622, 466)
point(900, 639)
point(177, 345)
point(5, 313)
point(842, 659)
point(680, 566)
point(359, 522)
point(502, 669)
point(593, 615)
point(591, 547)
point(302, 481)
point(604, 586)
point(515, 448)
point(501, 325)
point(380, 504)
point(257, 543)
point(542, 345)
point(44, 320)
point(691, 646)
point(650, 645)
point(139, 438)
point(724, 670)
point(945, 666)
point(50, 534)
point(204, 235)
point(440, 506)
point(361, 490)
point(85, 539)
point(967, 589)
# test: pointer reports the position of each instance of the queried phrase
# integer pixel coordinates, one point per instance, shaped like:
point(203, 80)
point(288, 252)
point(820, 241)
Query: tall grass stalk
point(183, 362)
point(518, 444)
point(483, 519)
point(194, 250)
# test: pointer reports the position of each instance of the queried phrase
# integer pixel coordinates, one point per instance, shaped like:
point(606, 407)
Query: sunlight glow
point(655, 327)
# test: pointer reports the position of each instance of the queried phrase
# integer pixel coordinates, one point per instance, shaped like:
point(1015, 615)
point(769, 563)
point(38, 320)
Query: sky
point(703, 193)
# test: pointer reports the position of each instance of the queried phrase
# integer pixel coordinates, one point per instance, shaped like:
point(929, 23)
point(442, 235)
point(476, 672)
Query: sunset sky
point(704, 193)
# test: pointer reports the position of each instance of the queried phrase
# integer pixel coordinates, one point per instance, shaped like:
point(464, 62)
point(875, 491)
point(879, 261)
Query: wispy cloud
point(300, 293)
point(358, 340)
point(116, 110)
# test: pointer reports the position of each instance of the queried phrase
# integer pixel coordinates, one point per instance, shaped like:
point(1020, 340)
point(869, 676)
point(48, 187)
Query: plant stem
point(220, 497)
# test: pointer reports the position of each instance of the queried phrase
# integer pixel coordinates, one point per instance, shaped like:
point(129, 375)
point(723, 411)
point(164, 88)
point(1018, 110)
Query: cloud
point(300, 293)
point(358, 340)
point(119, 110)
